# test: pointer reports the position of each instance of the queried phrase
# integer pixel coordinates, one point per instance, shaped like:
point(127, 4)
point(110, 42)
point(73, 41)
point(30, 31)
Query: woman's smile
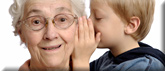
point(53, 48)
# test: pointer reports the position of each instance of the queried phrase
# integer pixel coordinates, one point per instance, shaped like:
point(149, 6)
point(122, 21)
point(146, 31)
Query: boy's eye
point(98, 18)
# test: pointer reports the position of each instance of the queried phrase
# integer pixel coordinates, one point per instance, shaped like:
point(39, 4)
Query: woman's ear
point(132, 26)
point(21, 35)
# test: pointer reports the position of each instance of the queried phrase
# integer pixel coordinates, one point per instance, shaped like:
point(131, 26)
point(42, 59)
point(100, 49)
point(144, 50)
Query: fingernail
point(80, 18)
point(89, 19)
point(84, 17)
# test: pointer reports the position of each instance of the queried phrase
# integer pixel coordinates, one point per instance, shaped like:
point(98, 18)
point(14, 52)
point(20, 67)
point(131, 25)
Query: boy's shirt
point(144, 58)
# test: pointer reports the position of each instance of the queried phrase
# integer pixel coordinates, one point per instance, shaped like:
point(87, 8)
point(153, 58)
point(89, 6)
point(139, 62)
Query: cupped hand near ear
point(85, 43)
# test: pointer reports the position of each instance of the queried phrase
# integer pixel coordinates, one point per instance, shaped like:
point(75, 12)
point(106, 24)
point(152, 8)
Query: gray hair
point(16, 10)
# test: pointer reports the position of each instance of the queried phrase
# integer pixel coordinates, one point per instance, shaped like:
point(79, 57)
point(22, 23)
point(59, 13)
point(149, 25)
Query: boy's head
point(128, 11)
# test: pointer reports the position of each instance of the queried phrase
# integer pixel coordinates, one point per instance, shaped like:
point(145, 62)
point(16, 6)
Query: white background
point(13, 55)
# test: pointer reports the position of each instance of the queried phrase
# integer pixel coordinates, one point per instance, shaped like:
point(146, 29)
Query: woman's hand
point(85, 43)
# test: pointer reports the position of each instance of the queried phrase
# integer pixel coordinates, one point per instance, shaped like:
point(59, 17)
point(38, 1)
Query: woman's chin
point(53, 63)
point(57, 65)
point(52, 60)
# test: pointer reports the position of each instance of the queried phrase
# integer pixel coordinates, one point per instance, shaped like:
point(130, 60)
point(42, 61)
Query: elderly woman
point(47, 28)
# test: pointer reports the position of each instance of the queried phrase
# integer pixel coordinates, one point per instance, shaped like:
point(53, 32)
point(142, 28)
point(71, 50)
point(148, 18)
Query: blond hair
point(16, 10)
point(125, 9)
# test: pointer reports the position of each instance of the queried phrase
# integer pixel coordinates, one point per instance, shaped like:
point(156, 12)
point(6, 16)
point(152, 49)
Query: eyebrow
point(34, 11)
point(60, 9)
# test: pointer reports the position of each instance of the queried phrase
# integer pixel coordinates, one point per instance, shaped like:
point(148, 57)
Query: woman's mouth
point(51, 48)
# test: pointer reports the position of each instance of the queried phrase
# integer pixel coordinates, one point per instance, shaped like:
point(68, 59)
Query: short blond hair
point(16, 10)
point(143, 9)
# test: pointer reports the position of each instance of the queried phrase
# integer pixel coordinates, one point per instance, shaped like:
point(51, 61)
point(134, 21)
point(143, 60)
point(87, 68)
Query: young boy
point(122, 24)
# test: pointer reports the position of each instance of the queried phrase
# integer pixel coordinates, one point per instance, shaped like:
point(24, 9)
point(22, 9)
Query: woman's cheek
point(69, 34)
point(33, 39)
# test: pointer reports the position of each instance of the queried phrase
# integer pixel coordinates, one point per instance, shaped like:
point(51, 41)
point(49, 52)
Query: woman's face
point(50, 46)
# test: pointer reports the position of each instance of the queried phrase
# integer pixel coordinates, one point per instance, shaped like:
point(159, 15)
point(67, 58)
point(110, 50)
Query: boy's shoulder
point(146, 49)
point(146, 63)
point(138, 57)
point(96, 64)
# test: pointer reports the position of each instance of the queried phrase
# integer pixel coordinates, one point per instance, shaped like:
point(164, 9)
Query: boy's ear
point(132, 26)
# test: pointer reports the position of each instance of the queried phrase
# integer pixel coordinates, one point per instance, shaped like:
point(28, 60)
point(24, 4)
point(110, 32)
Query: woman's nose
point(51, 31)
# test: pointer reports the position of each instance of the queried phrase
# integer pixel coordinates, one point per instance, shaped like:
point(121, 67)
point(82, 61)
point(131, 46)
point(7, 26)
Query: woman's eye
point(36, 22)
point(63, 19)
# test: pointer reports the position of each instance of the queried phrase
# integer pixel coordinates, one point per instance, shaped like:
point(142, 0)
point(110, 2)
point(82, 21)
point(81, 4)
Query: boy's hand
point(85, 43)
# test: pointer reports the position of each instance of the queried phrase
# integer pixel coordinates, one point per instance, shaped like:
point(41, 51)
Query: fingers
point(91, 29)
point(83, 30)
point(80, 29)
point(85, 40)
point(86, 28)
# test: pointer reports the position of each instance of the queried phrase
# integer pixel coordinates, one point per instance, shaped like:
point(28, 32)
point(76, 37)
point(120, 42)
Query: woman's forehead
point(52, 3)
point(46, 1)
point(40, 5)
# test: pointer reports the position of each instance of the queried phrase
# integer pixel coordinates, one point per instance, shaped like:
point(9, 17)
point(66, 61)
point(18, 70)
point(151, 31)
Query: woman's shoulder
point(25, 66)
